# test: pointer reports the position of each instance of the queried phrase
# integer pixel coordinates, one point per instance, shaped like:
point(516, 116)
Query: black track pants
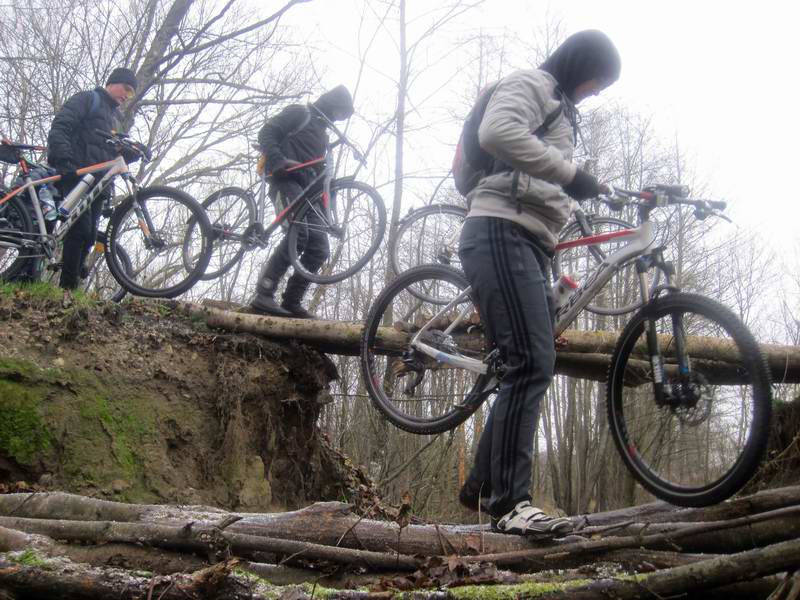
point(506, 271)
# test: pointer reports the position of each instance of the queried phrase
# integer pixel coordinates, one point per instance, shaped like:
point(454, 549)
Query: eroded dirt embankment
point(138, 402)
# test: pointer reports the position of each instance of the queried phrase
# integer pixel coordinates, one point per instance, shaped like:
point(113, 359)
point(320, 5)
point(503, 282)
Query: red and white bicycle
point(688, 391)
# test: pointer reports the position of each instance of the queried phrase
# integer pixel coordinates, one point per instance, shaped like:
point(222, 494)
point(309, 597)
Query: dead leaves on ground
point(447, 572)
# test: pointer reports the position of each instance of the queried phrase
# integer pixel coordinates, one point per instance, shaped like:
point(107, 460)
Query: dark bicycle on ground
point(351, 213)
point(688, 393)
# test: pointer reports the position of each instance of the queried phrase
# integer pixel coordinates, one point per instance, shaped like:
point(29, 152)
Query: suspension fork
point(143, 219)
point(643, 265)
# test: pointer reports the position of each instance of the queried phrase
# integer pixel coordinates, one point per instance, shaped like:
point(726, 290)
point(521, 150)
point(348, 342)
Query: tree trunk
point(585, 355)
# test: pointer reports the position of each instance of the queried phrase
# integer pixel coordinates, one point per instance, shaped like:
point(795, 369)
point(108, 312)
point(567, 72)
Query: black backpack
point(472, 163)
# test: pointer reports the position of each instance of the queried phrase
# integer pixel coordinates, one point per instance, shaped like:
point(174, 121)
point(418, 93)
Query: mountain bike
point(429, 235)
point(352, 213)
point(146, 249)
point(687, 389)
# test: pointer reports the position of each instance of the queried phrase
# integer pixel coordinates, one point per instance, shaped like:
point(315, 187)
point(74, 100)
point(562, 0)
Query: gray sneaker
point(525, 519)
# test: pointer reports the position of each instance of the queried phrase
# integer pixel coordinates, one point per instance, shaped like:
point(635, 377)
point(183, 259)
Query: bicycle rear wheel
point(413, 391)
point(428, 235)
point(358, 224)
point(621, 294)
point(154, 228)
point(231, 211)
point(15, 228)
point(704, 439)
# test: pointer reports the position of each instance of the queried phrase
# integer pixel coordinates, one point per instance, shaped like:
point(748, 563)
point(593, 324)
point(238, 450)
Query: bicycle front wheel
point(621, 294)
point(358, 222)
point(231, 211)
point(703, 438)
point(167, 237)
point(99, 279)
point(15, 228)
point(414, 391)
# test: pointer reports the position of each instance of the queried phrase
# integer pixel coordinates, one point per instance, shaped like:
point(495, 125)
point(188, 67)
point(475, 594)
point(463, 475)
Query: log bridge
point(584, 354)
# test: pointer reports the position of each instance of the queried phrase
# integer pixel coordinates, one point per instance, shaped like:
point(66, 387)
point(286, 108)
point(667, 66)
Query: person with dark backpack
point(296, 135)
point(74, 142)
point(519, 196)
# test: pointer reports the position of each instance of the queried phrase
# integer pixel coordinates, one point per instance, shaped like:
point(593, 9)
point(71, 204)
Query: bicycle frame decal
point(117, 167)
point(641, 239)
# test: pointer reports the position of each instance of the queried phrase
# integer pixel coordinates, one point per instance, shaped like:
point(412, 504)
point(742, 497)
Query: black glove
point(280, 168)
point(145, 150)
point(134, 152)
point(583, 186)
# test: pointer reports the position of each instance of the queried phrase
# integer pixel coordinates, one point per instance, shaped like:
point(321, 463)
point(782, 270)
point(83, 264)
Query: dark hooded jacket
point(73, 141)
point(299, 132)
point(583, 56)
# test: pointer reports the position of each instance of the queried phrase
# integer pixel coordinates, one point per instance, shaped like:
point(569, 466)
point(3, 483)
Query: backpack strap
point(306, 120)
point(94, 105)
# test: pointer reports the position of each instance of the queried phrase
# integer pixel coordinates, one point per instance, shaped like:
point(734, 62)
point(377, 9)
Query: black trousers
point(507, 272)
point(79, 239)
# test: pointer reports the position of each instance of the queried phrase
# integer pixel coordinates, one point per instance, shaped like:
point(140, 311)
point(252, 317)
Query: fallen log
point(703, 575)
point(64, 579)
point(334, 524)
point(340, 337)
point(671, 539)
point(657, 512)
point(204, 538)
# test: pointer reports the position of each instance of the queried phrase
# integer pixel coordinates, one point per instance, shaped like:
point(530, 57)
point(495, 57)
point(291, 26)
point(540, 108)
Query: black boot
point(264, 300)
point(296, 288)
point(271, 273)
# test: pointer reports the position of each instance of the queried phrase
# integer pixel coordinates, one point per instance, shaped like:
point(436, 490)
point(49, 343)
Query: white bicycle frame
point(113, 168)
point(640, 240)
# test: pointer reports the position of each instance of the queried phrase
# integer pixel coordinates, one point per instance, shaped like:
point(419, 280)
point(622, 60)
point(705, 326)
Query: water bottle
point(562, 291)
point(75, 195)
point(47, 202)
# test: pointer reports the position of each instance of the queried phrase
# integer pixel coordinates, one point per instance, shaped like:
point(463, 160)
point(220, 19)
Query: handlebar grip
point(718, 204)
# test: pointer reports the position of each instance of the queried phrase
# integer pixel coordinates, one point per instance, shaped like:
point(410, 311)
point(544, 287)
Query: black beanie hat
point(583, 56)
point(122, 75)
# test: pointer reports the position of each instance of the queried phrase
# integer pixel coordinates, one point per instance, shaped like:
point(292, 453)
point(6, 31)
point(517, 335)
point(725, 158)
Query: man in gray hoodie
point(516, 213)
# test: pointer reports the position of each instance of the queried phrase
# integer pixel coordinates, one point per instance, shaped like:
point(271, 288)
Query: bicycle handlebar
point(122, 140)
point(659, 195)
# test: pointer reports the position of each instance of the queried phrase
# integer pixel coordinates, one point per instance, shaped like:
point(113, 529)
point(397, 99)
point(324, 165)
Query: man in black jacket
point(296, 135)
point(74, 143)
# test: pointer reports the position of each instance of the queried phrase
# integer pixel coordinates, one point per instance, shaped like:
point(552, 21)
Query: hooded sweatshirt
point(299, 132)
point(520, 104)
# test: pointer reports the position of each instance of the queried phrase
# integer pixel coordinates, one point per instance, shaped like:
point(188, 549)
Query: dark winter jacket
point(286, 137)
point(73, 142)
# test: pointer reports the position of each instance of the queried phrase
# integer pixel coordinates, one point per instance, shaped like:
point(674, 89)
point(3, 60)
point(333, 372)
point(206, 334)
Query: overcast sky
point(718, 75)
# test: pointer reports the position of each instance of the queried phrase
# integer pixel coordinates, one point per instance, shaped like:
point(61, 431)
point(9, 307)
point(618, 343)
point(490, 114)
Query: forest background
point(700, 102)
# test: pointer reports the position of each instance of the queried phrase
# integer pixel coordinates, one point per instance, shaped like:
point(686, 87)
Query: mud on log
point(586, 353)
